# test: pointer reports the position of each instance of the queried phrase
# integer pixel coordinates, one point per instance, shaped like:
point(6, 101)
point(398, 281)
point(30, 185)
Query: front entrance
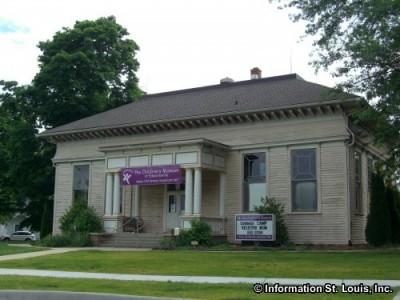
point(175, 205)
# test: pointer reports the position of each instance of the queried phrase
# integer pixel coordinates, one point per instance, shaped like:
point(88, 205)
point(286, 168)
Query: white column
point(137, 201)
point(116, 195)
point(189, 192)
point(197, 192)
point(109, 194)
point(222, 188)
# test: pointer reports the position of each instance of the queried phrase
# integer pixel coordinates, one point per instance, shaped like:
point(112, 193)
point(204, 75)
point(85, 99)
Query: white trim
point(317, 147)
point(116, 162)
point(267, 168)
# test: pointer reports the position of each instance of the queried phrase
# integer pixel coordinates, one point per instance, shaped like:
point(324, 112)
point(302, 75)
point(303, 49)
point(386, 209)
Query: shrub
point(377, 231)
point(271, 206)
point(67, 240)
point(80, 219)
point(391, 196)
point(46, 225)
point(200, 232)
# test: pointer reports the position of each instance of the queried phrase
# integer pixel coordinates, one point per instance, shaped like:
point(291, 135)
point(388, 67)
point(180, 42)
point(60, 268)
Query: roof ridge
point(225, 85)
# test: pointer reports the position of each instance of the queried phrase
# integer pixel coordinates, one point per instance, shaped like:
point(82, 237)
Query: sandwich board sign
point(255, 227)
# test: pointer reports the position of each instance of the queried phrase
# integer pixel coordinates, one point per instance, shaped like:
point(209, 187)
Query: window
point(304, 180)
point(370, 171)
point(254, 180)
point(357, 171)
point(81, 183)
point(114, 194)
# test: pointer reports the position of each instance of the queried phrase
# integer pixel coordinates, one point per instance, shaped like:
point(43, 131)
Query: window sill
point(305, 213)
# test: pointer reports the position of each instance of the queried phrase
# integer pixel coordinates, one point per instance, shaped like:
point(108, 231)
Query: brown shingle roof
point(229, 98)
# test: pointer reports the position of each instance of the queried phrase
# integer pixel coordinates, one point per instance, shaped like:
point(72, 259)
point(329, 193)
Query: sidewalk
point(277, 282)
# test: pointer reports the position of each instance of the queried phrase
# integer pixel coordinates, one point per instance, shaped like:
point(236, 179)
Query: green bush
point(67, 240)
point(46, 225)
point(80, 219)
point(200, 232)
point(391, 196)
point(377, 231)
point(271, 206)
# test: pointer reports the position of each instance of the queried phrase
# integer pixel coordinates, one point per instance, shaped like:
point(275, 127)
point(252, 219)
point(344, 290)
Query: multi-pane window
point(370, 166)
point(254, 180)
point(176, 200)
point(370, 171)
point(357, 171)
point(304, 180)
point(81, 183)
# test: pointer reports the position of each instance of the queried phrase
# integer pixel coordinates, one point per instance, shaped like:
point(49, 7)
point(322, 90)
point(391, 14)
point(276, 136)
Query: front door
point(175, 207)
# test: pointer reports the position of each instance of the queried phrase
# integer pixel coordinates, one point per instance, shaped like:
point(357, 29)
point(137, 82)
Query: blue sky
point(8, 26)
point(183, 43)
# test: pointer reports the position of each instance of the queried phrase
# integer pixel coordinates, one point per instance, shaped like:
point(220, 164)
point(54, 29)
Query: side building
point(232, 143)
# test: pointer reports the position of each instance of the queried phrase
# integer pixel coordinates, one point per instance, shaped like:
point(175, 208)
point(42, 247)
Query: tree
point(270, 206)
point(46, 225)
point(391, 197)
point(27, 176)
point(377, 231)
point(85, 70)
point(358, 41)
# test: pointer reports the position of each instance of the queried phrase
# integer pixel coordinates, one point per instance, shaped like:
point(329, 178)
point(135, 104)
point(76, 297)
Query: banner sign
point(170, 174)
point(255, 227)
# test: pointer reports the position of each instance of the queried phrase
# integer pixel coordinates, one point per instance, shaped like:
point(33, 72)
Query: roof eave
point(349, 105)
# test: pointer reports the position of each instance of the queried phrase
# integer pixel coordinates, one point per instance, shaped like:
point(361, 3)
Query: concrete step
point(131, 240)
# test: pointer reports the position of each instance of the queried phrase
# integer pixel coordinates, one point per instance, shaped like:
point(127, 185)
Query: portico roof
point(246, 101)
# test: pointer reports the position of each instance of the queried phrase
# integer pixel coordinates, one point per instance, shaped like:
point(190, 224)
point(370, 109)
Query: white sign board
point(255, 227)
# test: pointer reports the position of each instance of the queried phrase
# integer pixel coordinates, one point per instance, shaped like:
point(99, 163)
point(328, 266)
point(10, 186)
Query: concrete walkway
point(258, 283)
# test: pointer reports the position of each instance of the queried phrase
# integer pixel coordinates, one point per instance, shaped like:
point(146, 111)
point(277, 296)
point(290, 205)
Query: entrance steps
point(127, 240)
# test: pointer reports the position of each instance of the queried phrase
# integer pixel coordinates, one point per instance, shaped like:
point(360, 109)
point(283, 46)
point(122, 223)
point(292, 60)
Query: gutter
point(349, 101)
point(346, 117)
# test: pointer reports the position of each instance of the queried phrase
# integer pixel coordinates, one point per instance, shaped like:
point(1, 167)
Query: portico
point(176, 203)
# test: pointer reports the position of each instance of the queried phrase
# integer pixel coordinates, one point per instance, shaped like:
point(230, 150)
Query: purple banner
point(170, 174)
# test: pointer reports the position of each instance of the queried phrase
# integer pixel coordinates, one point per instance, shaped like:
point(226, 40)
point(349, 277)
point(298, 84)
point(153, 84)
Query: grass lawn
point(166, 289)
point(325, 265)
point(17, 247)
point(381, 264)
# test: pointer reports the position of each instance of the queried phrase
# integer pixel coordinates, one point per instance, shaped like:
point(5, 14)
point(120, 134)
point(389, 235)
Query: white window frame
point(358, 183)
point(242, 155)
point(317, 148)
point(73, 178)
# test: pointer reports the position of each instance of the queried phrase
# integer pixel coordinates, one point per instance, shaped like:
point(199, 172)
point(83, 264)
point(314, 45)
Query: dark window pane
point(254, 168)
point(304, 164)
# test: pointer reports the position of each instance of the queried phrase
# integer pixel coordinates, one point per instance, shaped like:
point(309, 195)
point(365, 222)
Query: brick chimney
point(255, 73)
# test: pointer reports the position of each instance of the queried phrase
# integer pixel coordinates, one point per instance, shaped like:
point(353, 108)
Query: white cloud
point(183, 43)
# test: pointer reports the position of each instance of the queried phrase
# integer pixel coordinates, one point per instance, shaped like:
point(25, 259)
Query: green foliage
point(67, 240)
point(271, 206)
point(46, 227)
point(359, 42)
point(200, 231)
point(392, 196)
point(85, 70)
point(183, 239)
point(80, 219)
point(27, 174)
point(377, 232)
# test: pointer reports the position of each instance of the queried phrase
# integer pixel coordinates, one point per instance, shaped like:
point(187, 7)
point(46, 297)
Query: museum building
point(210, 153)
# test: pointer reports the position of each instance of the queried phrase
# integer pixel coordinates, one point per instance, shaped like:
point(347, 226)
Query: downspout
point(348, 176)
